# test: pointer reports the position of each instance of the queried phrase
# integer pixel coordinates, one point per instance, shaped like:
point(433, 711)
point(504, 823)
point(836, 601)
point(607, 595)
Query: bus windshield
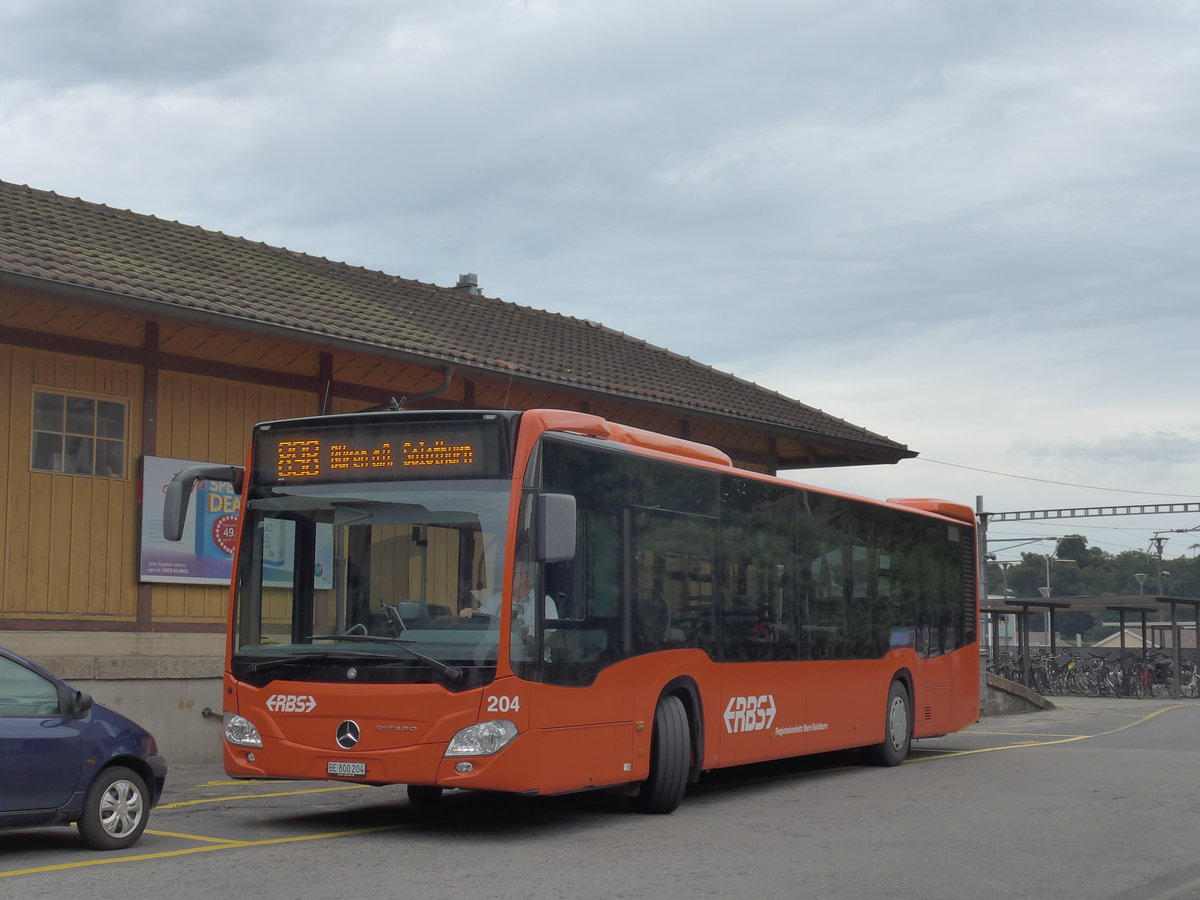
point(370, 576)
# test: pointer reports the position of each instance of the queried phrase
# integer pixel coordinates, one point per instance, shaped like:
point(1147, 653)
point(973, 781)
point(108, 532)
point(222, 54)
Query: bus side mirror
point(179, 493)
point(556, 527)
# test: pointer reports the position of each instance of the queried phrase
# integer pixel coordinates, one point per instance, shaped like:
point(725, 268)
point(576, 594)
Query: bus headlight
point(483, 739)
point(241, 732)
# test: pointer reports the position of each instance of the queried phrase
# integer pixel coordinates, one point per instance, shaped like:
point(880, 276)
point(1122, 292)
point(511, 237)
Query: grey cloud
point(1160, 451)
point(148, 46)
point(954, 223)
point(833, 168)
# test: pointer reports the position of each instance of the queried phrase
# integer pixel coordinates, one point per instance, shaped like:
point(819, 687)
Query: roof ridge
point(217, 233)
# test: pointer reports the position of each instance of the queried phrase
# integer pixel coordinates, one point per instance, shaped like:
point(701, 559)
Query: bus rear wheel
point(670, 756)
point(897, 733)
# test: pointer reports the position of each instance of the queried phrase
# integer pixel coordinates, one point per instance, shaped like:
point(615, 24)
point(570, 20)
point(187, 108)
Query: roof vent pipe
point(468, 283)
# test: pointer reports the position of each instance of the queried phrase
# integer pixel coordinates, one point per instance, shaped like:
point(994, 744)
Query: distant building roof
point(109, 255)
point(1161, 635)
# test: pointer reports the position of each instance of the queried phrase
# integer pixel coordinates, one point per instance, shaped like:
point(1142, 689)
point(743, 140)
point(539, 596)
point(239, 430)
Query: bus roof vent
point(945, 508)
point(637, 437)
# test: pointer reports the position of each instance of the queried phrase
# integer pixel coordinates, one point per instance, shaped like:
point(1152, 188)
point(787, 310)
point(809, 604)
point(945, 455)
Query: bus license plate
point(346, 768)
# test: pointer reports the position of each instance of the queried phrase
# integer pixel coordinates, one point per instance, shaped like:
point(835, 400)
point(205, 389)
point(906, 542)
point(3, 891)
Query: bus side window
point(587, 589)
point(760, 615)
point(673, 586)
point(586, 636)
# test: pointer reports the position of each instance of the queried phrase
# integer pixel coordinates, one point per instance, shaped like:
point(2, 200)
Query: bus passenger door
point(583, 705)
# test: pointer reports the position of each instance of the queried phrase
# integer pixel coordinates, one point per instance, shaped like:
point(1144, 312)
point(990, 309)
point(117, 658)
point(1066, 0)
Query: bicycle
point(1189, 678)
point(1137, 677)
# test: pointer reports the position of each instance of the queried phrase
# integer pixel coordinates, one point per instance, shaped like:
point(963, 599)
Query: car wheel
point(115, 811)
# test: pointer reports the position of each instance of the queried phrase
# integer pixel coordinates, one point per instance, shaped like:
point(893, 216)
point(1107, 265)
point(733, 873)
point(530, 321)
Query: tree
point(1097, 574)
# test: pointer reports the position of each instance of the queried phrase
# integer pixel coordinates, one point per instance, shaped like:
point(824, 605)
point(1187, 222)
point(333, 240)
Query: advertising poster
point(205, 554)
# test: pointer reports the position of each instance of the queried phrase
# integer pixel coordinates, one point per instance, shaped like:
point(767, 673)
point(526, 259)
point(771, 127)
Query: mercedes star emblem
point(347, 734)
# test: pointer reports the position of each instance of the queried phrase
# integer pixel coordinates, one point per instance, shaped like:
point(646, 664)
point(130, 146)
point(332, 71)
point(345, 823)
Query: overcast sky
point(971, 226)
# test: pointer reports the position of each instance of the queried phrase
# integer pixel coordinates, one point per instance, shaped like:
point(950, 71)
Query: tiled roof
point(61, 239)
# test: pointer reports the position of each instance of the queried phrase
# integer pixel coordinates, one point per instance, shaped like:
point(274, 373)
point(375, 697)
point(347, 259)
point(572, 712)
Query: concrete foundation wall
point(1006, 697)
point(164, 682)
point(171, 709)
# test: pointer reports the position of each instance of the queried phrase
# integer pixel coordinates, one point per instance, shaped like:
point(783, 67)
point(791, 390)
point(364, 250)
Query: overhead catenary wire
point(1090, 487)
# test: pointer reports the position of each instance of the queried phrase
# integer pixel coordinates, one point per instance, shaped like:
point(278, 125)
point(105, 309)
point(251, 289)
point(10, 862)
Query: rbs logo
point(300, 703)
point(750, 713)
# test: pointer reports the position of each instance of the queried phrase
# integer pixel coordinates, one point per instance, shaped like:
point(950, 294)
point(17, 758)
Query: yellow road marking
point(189, 837)
point(1024, 745)
point(180, 804)
point(1121, 714)
point(167, 854)
point(244, 781)
point(1028, 734)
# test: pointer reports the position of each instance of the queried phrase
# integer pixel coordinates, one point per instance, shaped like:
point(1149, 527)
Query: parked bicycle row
point(1094, 675)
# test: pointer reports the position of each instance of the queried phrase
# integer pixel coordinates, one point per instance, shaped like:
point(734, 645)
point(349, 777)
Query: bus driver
point(524, 612)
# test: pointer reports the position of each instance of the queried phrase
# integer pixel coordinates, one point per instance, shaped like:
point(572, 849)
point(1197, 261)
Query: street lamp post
point(1045, 591)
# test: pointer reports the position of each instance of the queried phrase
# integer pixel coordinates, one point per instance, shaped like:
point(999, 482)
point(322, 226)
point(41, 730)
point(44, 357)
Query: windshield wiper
point(277, 662)
point(454, 673)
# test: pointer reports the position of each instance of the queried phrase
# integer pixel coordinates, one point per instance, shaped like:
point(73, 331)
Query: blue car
point(65, 758)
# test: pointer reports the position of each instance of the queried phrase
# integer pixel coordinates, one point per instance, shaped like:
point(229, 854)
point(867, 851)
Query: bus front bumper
point(510, 770)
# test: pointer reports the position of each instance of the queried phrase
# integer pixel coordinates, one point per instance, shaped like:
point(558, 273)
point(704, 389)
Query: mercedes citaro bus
point(544, 601)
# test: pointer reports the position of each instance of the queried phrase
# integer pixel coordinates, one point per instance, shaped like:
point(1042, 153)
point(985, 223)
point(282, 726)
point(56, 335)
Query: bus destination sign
point(383, 452)
point(307, 459)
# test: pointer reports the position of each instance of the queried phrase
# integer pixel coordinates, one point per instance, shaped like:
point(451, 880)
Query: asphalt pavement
point(1094, 799)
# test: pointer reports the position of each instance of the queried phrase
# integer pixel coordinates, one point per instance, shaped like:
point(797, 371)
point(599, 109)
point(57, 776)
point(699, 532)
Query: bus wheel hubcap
point(898, 723)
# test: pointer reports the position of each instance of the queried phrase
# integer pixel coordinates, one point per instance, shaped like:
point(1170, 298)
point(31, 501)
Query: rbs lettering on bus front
point(311, 458)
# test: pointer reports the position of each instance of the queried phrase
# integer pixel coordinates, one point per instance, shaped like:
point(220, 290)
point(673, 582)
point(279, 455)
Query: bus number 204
point(503, 704)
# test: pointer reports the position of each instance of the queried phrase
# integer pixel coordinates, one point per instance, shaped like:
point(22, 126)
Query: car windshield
point(370, 575)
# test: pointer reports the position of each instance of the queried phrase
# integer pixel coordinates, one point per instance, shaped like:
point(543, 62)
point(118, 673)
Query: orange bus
point(544, 601)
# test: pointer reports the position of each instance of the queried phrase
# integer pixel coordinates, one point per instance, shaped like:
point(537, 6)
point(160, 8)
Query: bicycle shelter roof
point(1116, 603)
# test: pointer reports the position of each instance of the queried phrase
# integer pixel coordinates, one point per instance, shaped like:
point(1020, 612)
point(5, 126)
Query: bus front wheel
point(897, 733)
point(670, 756)
point(425, 796)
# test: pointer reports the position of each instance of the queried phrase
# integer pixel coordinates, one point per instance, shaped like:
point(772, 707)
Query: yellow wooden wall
point(69, 543)
point(68, 540)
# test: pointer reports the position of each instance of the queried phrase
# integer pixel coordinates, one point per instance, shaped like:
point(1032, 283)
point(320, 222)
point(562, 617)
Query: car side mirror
point(80, 704)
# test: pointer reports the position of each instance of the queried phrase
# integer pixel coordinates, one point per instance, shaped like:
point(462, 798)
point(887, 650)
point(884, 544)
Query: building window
point(78, 435)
